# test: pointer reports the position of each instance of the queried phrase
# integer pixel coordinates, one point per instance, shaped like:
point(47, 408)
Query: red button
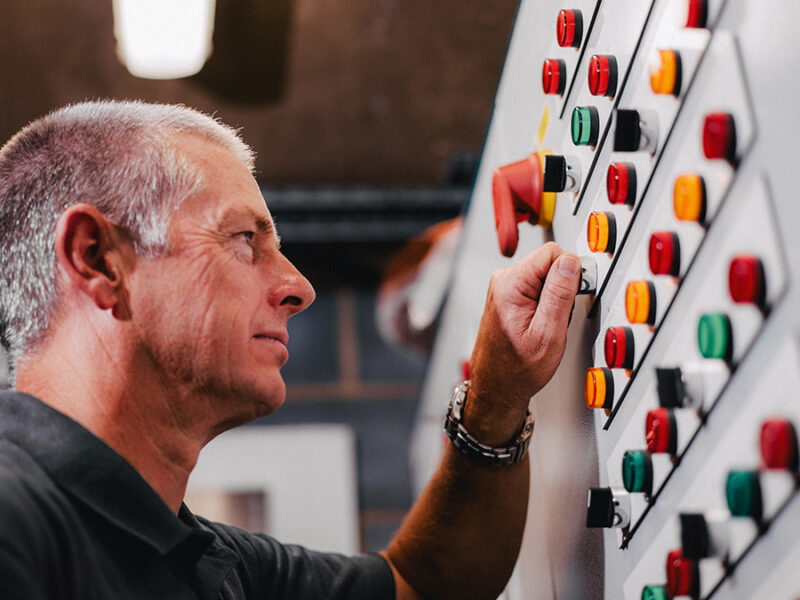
point(778, 443)
point(682, 575)
point(619, 348)
point(621, 183)
point(664, 253)
point(660, 431)
point(719, 136)
point(602, 75)
point(697, 13)
point(569, 28)
point(746, 280)
point(554, 76)
point(465, 369)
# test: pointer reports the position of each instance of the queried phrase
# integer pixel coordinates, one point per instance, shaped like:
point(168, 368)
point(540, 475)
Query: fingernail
point(569, 266)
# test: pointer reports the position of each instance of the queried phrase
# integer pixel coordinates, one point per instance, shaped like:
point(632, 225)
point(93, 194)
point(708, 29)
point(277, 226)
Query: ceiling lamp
point(163, 40)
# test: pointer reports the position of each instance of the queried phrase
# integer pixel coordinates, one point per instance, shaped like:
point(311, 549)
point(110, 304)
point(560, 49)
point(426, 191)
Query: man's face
point(210, 317)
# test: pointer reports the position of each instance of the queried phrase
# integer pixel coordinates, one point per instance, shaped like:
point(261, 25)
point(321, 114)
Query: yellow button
point(664, 72)
point(601, 232)
point(598, 388)
point(689, 197)
point(640, 302)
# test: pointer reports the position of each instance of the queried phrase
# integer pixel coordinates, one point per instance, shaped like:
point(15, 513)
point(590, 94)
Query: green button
point(743, 492)
point(637, 471)
point(585, 124)
point(714, 336)
point(654, 592)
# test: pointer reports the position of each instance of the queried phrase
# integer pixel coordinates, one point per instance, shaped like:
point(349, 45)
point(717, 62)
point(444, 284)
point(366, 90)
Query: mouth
point(281, 337)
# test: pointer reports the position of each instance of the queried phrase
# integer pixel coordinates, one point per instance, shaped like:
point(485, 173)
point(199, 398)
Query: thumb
point(558, 294)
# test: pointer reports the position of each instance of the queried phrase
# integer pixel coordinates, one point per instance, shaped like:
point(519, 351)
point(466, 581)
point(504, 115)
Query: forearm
point(462, 537)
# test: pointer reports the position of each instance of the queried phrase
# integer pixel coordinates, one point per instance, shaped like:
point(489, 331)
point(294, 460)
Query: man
point(144, 303)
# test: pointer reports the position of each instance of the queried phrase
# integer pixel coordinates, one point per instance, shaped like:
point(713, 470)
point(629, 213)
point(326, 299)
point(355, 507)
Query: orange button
point(689, 197)
point(665, 72)
point(601, 232)
point(640, 302)
point(598, 388)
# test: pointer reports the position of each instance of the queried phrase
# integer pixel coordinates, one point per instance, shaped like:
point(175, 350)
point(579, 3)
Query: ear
point(88, 250)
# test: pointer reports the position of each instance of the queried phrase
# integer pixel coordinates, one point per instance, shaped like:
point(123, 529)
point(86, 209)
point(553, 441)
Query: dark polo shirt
point(77, 521)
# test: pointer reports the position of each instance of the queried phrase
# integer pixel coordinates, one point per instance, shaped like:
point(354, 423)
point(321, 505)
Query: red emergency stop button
point(719, 136)
point(618, 348)
point(661, 431)
point(569, 28)
point(778, 443)
point(517, 197)
point(683, 578)
point(598, 388)
point(603, 75)
point(554, 76)
point(621, 183)
point(746, 280)
point(664, 253)
point(696, 13)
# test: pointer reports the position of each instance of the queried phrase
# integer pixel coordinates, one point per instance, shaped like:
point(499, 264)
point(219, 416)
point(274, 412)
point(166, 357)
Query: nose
point(293, 291)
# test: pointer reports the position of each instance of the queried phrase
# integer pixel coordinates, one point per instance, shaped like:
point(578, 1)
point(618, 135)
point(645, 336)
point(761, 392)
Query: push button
point(554, 76)
point(654, 592)
point(664, 254)
point(683, 578)
point(607, 507)
point(618, 348)
point(661, 431)
point(719, 136)
point(746, 280)
point(601, 232)
point(561, 173)
point(640, 302)
point(636, 131)
point(696, 13)
point(704, 535)
point(637, 471)
point(603, 75)
point(778, 444)
point(689, 198)
point(621, 183)
point(743, 494)
point(714, 336)
point(517, 197)
point(585, 126)
point(598, 388)
point(665, 73)
point(569, 28)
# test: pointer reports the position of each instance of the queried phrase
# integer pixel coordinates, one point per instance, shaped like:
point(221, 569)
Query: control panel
point(655, 139)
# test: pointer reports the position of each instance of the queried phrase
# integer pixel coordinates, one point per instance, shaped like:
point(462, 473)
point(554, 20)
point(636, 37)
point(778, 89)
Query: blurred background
point(368, 118)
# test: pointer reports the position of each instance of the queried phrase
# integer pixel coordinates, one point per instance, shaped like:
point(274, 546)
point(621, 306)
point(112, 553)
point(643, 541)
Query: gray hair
point(116, 156)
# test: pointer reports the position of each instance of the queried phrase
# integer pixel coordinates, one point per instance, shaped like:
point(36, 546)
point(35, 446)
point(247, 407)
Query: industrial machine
point(655, 139)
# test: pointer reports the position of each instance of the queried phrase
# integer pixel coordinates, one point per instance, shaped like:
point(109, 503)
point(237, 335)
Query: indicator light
point(569, 28)
point(635, 131)
point(746, 282)
point(665, 73)
point(606, 507)
point(697, 13)
point(664, 254)
point(719, 136)
point(517, 197)
point(743, 493)
point(621, 183)
point(603, 75)
point(778, 443)
point(714, 336)
point(640, 302)
point(585, 126)
point(554, 76)
point(661, 431)
point(601, 232)
point(654, 592)
point(637, 471)
point(618, 348)
point(683, 578)
point(689, 198)
point(598, 388)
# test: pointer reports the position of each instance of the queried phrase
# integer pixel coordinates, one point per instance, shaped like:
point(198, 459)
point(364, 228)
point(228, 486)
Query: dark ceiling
point(329, 92)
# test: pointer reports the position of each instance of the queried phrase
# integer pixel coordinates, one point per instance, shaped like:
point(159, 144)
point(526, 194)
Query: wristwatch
point(471, 447)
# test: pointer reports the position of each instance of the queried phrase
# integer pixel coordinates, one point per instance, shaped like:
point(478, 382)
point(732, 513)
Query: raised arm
point(462, 537)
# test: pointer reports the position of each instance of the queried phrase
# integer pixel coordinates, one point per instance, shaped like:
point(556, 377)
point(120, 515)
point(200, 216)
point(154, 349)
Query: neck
point(136, 415)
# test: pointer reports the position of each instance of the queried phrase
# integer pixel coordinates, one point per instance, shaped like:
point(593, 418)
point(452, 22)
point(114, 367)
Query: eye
point(247, 236)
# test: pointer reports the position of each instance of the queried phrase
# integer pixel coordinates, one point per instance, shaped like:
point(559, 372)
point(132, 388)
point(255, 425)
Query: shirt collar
point(90, 470)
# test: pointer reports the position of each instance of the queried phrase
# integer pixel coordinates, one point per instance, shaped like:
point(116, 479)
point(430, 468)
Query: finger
point(534, 268)
point(558, 294)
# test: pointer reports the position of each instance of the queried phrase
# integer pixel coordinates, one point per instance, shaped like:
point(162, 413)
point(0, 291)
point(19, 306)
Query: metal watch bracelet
point(471, 447)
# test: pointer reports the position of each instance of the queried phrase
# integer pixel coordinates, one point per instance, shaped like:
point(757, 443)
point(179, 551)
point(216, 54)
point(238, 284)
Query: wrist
point(494, 417)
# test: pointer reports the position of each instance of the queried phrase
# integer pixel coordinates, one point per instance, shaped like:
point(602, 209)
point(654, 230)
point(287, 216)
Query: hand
point(522, 336)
